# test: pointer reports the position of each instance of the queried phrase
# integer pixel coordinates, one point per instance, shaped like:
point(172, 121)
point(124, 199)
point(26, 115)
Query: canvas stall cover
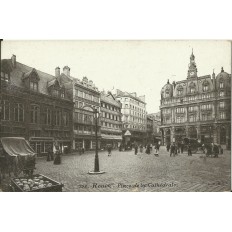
point(17, 146)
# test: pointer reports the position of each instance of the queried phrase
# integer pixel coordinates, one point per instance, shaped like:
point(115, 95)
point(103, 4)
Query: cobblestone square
point(128, 172)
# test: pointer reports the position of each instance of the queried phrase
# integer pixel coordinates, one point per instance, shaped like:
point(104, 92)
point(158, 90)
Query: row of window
point(135, 108)
point(79, 104)
point(85, 129)
point(134, 126)
point(134, 102)
point(111, 125)
point(194, 118)
point(193, 98)
point(194, 108)
point(81, 117)
point(205, 88)
point(111, 116)
point(58, 117)
point(87, 96)
point(110, 107)
point(133, 119)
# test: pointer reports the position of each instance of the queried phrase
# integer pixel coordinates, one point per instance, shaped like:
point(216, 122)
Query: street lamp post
point(96, 158)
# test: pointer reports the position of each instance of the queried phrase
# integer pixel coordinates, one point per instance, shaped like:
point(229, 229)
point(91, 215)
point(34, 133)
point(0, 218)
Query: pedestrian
point(57, 159)
point(80, 150)
point(156, 151)
point(215, 151)
point(141, 149)
point(120, 147)
point(172, 150)
point(203, 148)
point(220, 149)
point(109, 150)
point(136, 149)
point(148, 149)
point(168, 147)
point(189, 150)
point(176, 149)
point(182, 147)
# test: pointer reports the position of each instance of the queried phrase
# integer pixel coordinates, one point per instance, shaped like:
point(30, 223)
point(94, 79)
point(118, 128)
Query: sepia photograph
point(115, 116)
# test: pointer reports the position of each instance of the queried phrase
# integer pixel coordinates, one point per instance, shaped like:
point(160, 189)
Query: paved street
point(128, 172)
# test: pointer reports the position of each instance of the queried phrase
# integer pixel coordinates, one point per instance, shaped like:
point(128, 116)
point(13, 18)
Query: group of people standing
point(212, 149)
point(148, 148)
point(54, 154)
point(176, 148)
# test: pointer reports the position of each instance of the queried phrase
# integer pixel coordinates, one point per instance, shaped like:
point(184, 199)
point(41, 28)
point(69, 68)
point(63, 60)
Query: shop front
point(41, 145)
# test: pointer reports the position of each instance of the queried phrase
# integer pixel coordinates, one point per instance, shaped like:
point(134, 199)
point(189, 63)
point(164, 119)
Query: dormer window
point(55, 92)
point(5, 77)
point(192, 90)
point(34, 85)
point(221, 85)
point(62, 93)
point(205, 88)
point(179, 90)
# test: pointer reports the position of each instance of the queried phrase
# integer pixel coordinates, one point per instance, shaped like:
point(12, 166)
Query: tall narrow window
point(57, 118)
point(48, 117)
point(34, 114)
point(62, 94)
point(18, 112)
point(5, 110)
point(66, 118)
point(221, 85)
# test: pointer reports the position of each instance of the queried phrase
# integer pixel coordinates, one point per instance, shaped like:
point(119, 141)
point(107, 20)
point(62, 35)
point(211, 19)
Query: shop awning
point(17, 146)
point(112, 137)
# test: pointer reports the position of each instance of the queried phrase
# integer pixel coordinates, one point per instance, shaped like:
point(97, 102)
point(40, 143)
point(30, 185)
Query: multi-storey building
point(156, 121)
point(197, 107)
point(36, 106)
point(87, 98)
point(133, 117)
point(149, 129)
point(111, 121)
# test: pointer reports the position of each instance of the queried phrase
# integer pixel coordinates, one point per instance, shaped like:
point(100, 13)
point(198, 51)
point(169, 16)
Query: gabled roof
point(26, 75)
point(21, 71)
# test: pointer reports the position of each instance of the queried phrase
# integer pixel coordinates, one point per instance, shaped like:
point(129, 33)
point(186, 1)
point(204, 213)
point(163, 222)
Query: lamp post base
point(96, 173)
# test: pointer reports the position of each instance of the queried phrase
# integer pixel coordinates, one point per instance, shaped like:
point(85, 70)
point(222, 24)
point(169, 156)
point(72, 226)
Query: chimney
point(174, 84)
point(57, 72)
point(66, 71)
point(13, 60)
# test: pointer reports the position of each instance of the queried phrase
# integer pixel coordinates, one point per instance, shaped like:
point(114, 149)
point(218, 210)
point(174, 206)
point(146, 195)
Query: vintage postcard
point(115, 116)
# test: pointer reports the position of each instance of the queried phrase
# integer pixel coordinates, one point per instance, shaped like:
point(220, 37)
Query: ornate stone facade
point(197, 107)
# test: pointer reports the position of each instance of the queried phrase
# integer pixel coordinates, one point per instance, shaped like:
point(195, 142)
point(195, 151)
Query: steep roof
point(21, 71)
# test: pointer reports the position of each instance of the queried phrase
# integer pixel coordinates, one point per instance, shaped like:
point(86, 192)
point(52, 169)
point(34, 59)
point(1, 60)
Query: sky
point(133, 66)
